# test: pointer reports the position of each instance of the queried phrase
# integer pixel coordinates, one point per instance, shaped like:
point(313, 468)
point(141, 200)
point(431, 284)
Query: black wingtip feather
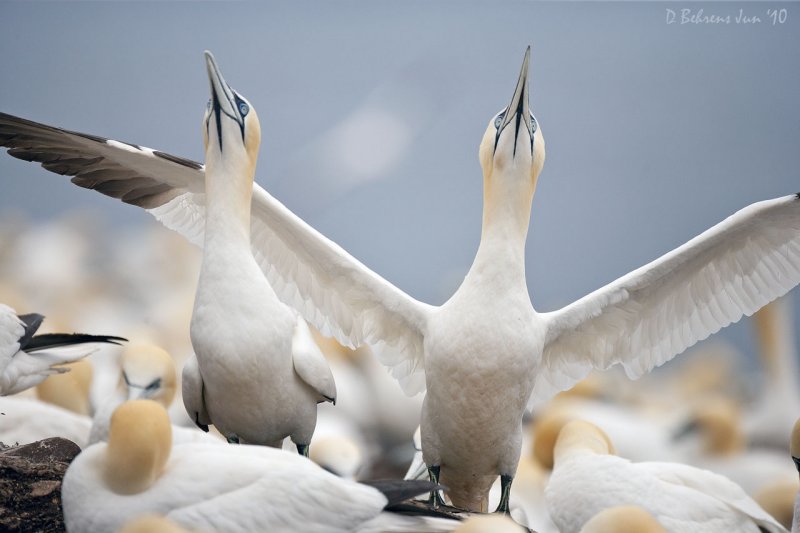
point(797, 195)
point(54, 340)
point(32, 322)
point(399, 490)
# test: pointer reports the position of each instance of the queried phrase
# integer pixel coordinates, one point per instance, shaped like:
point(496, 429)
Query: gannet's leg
point(436, 498)
point(505, 493)
point(232, 439)
point(302, 449)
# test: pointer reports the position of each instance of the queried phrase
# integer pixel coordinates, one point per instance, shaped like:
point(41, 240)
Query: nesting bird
point(225, 488)
point(587, 479)
point(148, 373)
point(26, 359)
point(484, 354)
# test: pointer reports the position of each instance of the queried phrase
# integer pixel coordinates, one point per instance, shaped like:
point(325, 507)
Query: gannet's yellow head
point(231, 131)
point(579, 435)
point(545, 430)
point(149, 373)
point(623, 519)
point(513, 144)
point(719, 422)
point(337, 454)
point(139, 444)
point(493, 523)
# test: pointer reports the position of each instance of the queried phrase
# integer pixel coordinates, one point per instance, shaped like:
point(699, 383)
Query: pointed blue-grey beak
point(519, 109)
point(223, 99)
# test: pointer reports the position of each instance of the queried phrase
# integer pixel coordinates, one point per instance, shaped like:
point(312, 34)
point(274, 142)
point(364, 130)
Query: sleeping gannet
point(486, 352)
point(588, 478)
point(148, 373)
point(219, 488)
point(27, 359)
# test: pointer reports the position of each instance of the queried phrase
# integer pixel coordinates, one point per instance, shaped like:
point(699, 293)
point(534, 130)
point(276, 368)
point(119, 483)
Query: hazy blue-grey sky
point(372, 112)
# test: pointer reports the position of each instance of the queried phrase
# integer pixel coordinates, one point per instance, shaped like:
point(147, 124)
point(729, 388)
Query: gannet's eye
point(243, 108)
point(499, 120)
point(154, 385)
point(534, 125)
point(208, 105)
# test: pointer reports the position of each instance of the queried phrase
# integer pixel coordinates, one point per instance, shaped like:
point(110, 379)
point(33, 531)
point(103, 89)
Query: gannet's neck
point(507, 197)
point(229, 189)
point(578, 438)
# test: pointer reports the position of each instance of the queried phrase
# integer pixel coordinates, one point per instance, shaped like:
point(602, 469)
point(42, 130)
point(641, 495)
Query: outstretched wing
point(330, 288)
point(650, 315)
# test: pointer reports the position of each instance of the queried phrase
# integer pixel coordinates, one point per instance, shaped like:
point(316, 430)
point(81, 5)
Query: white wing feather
point(330, 288)
point(11, 329)
point(714, 485)
point(650, 315)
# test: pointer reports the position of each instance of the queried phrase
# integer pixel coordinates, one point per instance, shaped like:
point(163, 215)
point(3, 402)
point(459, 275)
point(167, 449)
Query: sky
point(372, 112)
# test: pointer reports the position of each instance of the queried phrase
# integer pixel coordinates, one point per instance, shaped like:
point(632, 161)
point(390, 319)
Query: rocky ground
point(30, 484)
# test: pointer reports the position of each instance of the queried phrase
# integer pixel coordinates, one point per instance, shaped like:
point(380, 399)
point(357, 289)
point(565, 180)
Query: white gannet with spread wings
point(485, 352)
point(250, 377)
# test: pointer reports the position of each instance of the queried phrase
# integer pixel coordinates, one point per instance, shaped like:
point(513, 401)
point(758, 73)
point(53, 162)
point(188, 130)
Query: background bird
point(26, 359)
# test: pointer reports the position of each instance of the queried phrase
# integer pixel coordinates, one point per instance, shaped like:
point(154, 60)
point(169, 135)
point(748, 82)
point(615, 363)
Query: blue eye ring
point(243, 108)
point(499, 120)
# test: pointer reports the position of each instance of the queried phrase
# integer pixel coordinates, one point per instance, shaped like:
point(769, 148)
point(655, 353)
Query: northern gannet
point(223, 488)
point(485, 352)
point(767, 422)
point(27, 359)
point(712, 439)
point(587, 479)
point(250, 377)
point(148, 373)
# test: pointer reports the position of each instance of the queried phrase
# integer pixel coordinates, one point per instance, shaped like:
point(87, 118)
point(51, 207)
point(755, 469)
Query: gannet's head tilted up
point(149, 373)
point(512, 154)
point(231, 131)
point(139, 444)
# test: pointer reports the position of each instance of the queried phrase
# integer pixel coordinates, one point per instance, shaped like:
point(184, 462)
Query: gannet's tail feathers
point(650, 315)
point(331, 289)
point(400, 490)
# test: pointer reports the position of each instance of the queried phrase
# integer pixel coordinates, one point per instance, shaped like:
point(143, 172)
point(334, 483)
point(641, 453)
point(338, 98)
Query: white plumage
point(485, 352)
point(586, 480)
point(255, 377)
point(225, 488)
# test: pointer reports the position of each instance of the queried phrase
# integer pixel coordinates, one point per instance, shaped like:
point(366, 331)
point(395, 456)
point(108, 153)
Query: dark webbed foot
point(302, 449)
point(435, 499)
point(232, 439)
point(505, 493)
